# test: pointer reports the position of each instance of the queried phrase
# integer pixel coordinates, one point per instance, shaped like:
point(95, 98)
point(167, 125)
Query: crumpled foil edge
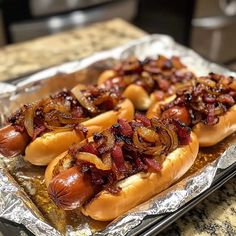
point(17, 207)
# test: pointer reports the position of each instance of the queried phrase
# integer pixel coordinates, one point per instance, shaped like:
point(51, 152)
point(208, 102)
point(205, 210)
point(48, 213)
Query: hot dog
point(44, 129)
point(121, 167)
point(12, 142)
point(147, 81)
point(209, 108)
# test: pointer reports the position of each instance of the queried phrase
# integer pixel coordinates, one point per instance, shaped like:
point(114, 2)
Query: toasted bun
point(107, 74)
point(139, 96)
point(45, 148)
point(142, 186)
point(211, 135)
point(49, 173)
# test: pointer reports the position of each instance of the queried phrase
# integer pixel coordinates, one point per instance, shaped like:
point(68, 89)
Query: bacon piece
point(118, 158)
point(226, 99)
point(89, 147)
point(183, 132)
point(125, 127)
point(211, 120)
point(163, 84)
point(143, 119)
point(152, 163)
point(208, 98)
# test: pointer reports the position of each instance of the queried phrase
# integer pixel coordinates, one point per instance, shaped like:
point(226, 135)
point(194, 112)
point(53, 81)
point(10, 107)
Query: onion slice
point(29, 119)
point(58, 128)
point(83, 100)
point(148, 134)
point(137, 143)
point(93, 159)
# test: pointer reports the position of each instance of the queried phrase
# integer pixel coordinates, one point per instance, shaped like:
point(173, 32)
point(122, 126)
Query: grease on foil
point(17, 207)
point(15, 204)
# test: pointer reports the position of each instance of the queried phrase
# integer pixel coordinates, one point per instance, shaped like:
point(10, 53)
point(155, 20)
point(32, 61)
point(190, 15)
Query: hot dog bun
point(211, 135)
point(137, 94)
point(49, 173)
point(43, 149)
point(142, 186)
point(147, 81)
point(106, 206)
point(208, 135)
point(105, 75)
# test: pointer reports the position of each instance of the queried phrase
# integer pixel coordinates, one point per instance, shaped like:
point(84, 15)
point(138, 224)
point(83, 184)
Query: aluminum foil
point(16, 176)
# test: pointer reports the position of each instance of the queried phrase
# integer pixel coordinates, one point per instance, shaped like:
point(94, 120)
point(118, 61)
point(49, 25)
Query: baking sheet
point(156, 224)
point(33, 208)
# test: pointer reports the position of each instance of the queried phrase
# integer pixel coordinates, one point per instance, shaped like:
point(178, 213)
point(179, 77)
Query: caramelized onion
point(99, 100)
point(104, 141)
point(173, 139)
point(48, 106)
point(168, 136)
point(219, 110)
point(83, 100)
point(209, 98)
point(106, 159)
point(154, 151)
point(132, 64)
point(58, 128)
point(206, 81)
point(147, 134)
point(93, 159)
point(70, 120)
point(137, 143)
point(29, 120)
point(233, 85)
point(113, 154)
point(110, 140)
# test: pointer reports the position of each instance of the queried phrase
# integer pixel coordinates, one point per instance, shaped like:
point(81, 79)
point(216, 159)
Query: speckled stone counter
point(216, 215)
point(23, 58)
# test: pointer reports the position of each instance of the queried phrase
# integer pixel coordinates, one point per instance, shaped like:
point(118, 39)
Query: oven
point(27, 19)
point(214, 30)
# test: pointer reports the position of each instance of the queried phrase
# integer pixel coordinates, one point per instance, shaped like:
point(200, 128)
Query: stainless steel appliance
point(214, 30)
point(50, 16)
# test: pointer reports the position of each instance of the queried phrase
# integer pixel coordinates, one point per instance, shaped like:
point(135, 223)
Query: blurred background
point(207, 26)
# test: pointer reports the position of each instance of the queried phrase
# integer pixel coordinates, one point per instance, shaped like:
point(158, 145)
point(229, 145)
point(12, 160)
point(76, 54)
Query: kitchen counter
point(23, 58)
point(216, 215)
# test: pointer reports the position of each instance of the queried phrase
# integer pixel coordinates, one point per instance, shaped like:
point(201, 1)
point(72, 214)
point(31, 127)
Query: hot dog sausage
point(178, 113)
point(12, 142)
point(70, 189)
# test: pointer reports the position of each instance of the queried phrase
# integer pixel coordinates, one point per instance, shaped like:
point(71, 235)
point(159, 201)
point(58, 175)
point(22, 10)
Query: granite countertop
point(23, 58)
point(216, 215)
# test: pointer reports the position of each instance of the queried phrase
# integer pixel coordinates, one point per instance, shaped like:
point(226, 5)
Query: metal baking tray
point(156, 224)
point(148, 46)
point(150, 225)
